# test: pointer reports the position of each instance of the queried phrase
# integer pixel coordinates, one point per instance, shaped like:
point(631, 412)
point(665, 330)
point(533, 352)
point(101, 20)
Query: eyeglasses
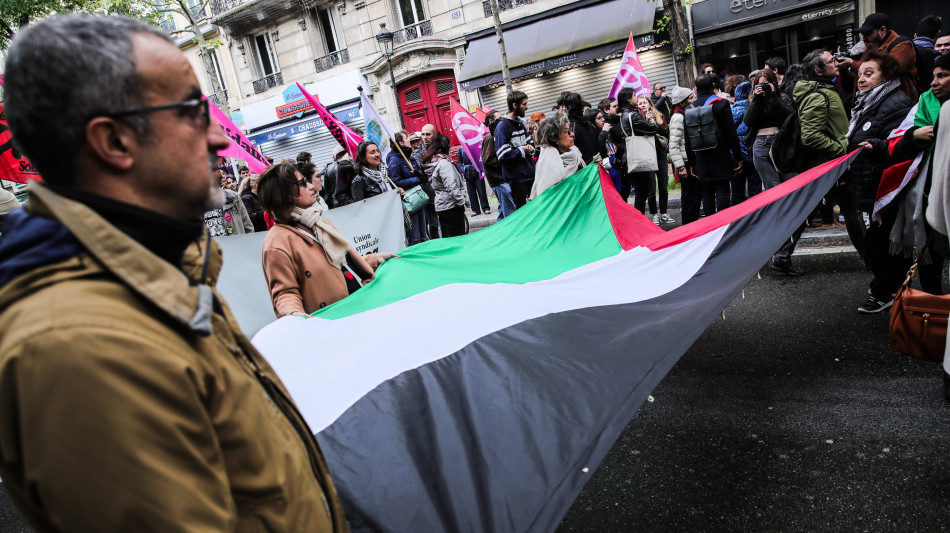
point(302, 182)
point(197, 110)
point(661, 88)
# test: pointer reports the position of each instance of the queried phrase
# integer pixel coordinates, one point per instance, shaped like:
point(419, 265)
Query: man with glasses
point(130, 399)
point(661, 101)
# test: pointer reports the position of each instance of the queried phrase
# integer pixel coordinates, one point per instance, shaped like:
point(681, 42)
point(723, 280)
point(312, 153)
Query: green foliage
point(17, 13)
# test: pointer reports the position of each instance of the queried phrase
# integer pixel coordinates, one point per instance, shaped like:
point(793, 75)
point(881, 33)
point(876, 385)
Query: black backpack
point(701, 126)
point(788, 154)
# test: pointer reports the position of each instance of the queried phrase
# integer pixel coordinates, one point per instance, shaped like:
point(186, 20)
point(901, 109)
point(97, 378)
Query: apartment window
point(411, 12)
point(266, 58)
point(325, 16)
point(217, 69)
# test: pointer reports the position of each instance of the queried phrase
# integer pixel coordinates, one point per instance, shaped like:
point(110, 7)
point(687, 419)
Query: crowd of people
point(117, 239)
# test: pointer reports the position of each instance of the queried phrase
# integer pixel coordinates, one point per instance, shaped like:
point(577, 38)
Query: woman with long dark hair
point(372, 175)
point(304, 256)
point(446, 181)
point(634, 123)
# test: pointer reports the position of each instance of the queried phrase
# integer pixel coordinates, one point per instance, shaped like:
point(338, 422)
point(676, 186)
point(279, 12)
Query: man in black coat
point(715, 167)
point(585, 133)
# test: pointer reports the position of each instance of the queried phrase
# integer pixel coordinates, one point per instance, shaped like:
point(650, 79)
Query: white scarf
point(334, 245)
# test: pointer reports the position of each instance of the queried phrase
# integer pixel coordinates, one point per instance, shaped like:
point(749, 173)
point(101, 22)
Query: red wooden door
point(425, 100)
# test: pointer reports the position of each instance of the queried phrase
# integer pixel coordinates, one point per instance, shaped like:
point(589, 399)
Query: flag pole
point(403, 154)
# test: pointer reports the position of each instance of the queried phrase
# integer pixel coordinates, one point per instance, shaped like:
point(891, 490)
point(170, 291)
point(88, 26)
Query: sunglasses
point(196, 110)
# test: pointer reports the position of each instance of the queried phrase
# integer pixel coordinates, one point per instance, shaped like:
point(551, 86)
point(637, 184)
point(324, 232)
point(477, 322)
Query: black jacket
point(585, 136)
point(865, 173)
point(718, 163)
point(254, 211)
point(341, 175)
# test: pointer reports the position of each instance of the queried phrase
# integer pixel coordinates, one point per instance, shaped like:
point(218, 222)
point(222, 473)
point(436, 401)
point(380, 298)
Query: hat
point(8, 201)
point(874, 20)
point(416, 136)
point(743, 90)
point(942, 61)
point(679, 95)
point(338, 152)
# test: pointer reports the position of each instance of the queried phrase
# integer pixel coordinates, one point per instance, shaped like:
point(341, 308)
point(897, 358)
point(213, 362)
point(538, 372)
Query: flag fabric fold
point(376, 129)
point(347, 138)
point(240, 147)
point(542, 339)
point(470, 132)
point(631, 73)
point(896, 177)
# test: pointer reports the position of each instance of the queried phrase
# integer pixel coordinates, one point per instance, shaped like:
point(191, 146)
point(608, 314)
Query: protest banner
point(240, 147)
point(371, 225)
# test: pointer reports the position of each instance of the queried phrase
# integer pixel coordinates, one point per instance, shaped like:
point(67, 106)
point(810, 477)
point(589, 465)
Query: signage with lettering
point(302, 127)
point(716, 13)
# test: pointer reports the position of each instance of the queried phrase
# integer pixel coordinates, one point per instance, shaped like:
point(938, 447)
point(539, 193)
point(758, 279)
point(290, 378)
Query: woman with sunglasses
point(308, 264)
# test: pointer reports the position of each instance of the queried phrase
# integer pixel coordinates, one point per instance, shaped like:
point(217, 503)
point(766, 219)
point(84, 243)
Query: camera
point(766, 88)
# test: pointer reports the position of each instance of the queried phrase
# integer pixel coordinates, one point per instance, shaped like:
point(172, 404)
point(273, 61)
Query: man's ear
point(114, 143)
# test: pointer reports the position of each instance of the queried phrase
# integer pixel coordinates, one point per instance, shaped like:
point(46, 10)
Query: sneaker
point(656, 219)
point(786, 268)
point(474, 214)
point(873, 305)
point(488, 211)
point(666, 219)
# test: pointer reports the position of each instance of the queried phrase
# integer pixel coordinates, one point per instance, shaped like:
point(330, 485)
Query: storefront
point(737, 36)
point(558, 52)
point(308, 134)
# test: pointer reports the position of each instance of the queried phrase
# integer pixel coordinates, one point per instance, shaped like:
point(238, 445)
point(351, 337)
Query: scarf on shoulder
point(334, 244)
point(380, 177)
point(865, 102)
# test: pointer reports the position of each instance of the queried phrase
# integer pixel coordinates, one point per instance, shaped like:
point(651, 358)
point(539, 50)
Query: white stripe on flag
point(328, 365)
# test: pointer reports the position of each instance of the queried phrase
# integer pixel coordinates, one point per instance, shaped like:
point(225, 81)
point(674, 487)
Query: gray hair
point(63, 71)
point(814, 63)
point(550, 130)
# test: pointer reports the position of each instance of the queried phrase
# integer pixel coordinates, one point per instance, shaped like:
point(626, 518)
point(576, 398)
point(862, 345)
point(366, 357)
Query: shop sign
point(713, 13)
point(302, 127)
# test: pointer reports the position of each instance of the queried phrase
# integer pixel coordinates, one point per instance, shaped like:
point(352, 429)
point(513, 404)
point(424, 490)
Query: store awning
point(776, 23)
point(570, 37)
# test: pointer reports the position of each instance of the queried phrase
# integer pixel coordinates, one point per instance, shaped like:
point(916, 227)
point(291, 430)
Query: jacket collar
point(187, 300)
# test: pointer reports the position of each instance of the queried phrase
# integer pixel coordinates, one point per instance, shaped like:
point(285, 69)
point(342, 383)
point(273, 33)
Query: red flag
point(631, 73)
point(14, 166)
point(343, 135)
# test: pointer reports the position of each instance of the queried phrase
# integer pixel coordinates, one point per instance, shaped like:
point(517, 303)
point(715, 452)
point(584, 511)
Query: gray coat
point(446, 181)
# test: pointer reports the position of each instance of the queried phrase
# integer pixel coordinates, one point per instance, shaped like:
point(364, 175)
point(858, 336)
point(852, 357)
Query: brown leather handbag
point(919, 321)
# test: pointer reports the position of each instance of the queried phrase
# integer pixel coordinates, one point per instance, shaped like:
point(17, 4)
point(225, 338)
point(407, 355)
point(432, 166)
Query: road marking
point(819, 250)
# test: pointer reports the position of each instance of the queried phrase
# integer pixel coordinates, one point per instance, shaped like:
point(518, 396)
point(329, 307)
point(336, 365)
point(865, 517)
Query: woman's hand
point(401, 191)
point(383, 256)
point(606, 126)
point(597, 159)
point(866, 146)
point(924, 134)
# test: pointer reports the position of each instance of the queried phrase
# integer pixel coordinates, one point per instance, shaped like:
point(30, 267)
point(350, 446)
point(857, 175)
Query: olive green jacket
point(131, 401)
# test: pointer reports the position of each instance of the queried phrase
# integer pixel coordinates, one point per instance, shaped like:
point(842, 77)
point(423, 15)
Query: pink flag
point(240, 147)
point(631, 73)
point(343, 135)
point(470, 133)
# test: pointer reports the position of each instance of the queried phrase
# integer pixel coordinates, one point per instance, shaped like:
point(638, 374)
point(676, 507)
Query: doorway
point(426, 99)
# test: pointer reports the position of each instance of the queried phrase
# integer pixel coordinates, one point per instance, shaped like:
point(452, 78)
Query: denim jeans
point(763, 165)
point(506, 204)
point(477, 196)
point(418, 233)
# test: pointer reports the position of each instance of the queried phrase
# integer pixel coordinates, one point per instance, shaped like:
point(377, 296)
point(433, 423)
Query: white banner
point(371, 225)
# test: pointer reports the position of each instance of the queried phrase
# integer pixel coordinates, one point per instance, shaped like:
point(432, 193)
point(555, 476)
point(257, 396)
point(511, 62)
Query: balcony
point(198, 12)
point(268, 82)
point(331, 60)
point(240, 17)
point(214, 98)
point(504, 5)
point(412, 32)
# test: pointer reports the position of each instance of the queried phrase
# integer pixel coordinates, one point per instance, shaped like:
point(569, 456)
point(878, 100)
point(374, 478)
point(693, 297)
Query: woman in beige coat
point(308, 264)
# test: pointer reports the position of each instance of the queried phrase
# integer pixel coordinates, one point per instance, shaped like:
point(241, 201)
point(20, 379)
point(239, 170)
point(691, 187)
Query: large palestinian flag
point(479, 381)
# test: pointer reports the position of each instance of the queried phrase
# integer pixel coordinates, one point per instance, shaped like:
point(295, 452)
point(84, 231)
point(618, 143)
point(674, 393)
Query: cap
point(679, 95)
point(8, 201)
point(338, 152)
point(417, 136)
point(874, 20)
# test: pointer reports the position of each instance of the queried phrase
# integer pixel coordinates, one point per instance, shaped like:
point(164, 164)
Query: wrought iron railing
point(268, 82)
point(214, 98)
point(198, 11)
point(331, 60)
point(223, 6)
point(412, 32)
point(504, 5)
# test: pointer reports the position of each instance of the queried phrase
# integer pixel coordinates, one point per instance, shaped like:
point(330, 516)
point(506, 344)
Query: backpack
point(788, 154)
point(490, 162)
point(924, 62)
point(701, 127)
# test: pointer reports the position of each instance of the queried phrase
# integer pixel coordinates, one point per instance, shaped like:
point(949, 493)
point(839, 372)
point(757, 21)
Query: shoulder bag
point(919, 321)
point(641, 151)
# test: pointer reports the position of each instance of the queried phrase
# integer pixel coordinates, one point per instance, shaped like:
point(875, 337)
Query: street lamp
point(385, 40)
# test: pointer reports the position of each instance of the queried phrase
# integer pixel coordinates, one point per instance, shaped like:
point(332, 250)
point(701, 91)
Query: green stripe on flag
point(565, 228)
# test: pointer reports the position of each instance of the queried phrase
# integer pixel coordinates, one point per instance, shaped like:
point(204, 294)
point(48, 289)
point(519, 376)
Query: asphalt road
point(793, 413)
